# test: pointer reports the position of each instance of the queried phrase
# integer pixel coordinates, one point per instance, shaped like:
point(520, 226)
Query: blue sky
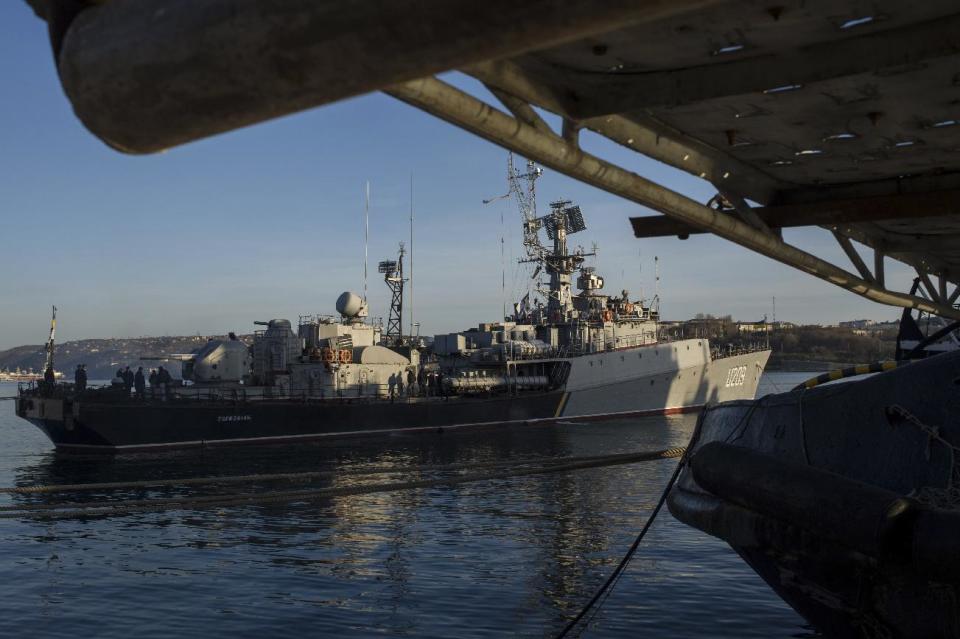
point(268, 222)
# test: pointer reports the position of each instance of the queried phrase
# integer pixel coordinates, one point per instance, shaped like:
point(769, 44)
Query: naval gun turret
point(218, 362)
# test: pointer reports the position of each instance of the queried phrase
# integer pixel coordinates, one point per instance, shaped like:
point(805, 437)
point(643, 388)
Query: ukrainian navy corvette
point(570, 353)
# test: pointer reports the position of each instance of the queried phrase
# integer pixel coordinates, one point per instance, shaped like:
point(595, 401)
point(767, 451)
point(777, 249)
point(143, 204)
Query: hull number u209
point(736, 376)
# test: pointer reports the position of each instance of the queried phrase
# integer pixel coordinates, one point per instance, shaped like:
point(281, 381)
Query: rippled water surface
point(506, 557)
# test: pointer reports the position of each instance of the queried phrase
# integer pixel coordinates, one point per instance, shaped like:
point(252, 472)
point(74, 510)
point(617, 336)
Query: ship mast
point(393, 276)
point(50, 341)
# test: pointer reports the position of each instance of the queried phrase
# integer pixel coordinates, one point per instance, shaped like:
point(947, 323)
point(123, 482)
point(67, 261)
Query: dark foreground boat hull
point(86, 425)
point(818, 491)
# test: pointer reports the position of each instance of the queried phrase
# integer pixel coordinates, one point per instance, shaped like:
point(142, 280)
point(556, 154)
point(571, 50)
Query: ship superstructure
point(572, 352)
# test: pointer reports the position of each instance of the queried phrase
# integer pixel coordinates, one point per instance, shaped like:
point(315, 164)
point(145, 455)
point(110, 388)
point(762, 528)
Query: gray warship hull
point(658, 379)
point(843, 498)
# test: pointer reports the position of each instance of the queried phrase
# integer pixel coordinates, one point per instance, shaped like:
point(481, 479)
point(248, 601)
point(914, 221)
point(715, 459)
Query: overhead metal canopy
point(838, 113)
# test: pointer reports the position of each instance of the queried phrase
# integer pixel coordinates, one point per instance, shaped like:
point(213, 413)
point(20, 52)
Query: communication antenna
point(366, 238)
point(503, 270)
point(656, 272)
point(411, 255)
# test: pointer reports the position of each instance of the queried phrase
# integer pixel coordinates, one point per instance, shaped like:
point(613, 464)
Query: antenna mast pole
point(503, 271)
point(410, 303)
point(50, 341)
point(366, 238)
point(656, 269)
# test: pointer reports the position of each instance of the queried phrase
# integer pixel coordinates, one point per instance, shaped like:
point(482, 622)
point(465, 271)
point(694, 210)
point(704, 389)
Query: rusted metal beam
point(521, 110)
point(878, 273)
point(745, 211)
point(894, 246)
point(928, 284)
point(846, 211)
point(151, 74)
point(571, 131)
point(854, 256)
point(465, 111)
point(953, 296)
point(641, 133)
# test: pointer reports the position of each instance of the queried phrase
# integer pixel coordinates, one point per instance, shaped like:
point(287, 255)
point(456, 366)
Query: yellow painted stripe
point(562, 404)
point(836, 375)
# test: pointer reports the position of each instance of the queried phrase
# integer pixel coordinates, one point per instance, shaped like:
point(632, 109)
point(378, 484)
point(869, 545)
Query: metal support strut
point(467, 112)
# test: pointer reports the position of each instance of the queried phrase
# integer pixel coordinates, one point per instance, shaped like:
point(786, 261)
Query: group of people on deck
point(159, 379)
point(421, 384)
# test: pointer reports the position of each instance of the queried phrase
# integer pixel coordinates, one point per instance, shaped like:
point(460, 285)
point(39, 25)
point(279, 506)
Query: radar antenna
point(393, 276)
point(523, 188)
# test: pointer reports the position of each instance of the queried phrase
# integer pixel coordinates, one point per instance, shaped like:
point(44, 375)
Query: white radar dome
point(349, 304)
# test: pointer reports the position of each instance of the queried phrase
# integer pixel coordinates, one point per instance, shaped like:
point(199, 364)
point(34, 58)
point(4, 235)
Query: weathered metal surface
point(895, 432)
point(151, 74)
point(465, 111)
point(858, 515)
point(909, 207)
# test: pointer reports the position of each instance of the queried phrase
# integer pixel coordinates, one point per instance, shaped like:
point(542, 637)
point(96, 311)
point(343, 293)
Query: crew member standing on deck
point(139, 383)
point(82, 381)
point(411, 379)
point(127, 379)
point(163, 378)
point(76, 377)
point(422, 382)
point(153, 383)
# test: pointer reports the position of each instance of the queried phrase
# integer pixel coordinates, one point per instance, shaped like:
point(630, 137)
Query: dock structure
point(816, 113)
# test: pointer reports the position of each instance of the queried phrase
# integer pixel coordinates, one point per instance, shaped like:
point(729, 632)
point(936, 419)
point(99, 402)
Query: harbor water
point(506, 557)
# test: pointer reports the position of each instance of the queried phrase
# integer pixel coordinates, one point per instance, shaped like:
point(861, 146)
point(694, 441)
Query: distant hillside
point(103, 356)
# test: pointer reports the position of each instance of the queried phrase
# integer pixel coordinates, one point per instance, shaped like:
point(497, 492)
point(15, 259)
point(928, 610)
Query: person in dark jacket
point(422, 382)
point(153, 382)
point(139, 383)
point(80, 378)
point(163, 379)
point(128, 378)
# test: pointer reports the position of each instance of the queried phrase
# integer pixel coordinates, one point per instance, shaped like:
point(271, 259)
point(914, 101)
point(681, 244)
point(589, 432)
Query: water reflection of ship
point(567, 523)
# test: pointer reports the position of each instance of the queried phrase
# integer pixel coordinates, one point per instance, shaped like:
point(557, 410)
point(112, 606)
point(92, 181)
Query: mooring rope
point(96, 509)
point(596, 602)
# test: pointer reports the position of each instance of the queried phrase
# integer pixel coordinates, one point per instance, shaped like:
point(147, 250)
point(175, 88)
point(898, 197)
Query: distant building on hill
point(754, 328)
point(857, 324)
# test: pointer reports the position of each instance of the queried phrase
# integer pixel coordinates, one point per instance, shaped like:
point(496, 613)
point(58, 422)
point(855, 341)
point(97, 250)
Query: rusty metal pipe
point(146, 75)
